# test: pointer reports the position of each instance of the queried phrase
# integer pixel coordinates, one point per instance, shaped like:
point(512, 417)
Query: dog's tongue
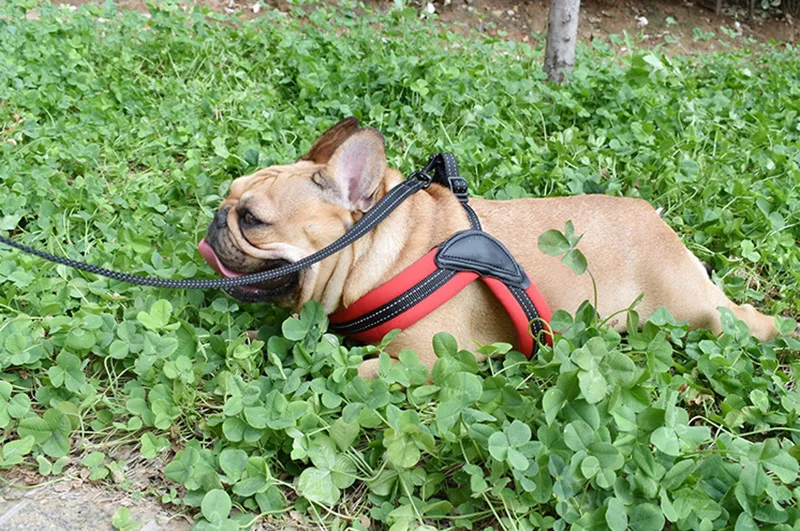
point(211, 257)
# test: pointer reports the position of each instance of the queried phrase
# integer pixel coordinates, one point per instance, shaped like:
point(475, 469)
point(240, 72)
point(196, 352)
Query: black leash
point(441, 163)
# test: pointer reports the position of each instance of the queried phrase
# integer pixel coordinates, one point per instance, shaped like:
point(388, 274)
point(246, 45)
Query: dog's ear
point(325, 145)
point(358, 166)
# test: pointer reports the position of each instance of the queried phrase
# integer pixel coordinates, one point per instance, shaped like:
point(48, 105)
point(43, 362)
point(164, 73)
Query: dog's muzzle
point(266, 291)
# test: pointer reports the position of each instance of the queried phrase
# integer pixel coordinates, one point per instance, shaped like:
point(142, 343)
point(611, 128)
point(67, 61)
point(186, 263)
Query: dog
point(283, 213)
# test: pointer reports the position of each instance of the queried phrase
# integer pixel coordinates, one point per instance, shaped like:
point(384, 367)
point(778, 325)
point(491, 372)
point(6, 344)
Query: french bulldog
point(282, 213)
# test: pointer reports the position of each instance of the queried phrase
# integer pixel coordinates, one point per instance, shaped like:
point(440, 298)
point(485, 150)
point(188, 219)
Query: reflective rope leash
point(416, 181)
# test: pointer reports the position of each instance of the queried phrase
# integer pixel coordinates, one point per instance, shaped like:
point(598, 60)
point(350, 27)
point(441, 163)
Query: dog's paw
point(368, 370)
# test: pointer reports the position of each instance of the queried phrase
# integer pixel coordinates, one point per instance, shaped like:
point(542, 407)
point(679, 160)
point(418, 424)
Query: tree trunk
point(562, 35)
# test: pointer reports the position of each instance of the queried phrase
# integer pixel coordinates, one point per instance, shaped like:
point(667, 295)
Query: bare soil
point(74, 505)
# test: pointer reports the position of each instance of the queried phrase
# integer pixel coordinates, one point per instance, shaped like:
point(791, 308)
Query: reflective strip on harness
point(397, 286)
point(422, 287)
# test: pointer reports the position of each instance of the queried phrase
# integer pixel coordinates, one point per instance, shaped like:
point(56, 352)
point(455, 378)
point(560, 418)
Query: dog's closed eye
point(248, 219)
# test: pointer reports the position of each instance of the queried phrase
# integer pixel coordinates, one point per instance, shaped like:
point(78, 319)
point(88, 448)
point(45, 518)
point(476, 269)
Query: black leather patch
point(476, 251)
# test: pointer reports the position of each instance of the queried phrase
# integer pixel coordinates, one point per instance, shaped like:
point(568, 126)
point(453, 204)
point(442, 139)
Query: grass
point(119, 138)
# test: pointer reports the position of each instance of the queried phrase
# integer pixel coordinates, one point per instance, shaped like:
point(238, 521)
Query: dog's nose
point(221, 219)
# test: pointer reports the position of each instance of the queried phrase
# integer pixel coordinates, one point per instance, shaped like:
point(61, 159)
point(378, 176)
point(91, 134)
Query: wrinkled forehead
point(268, 177)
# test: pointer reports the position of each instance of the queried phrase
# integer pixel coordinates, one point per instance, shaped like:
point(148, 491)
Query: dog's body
point(283, 213)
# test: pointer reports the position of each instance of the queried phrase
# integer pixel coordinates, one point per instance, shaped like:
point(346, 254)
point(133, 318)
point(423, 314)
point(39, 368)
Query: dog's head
point(283, 213)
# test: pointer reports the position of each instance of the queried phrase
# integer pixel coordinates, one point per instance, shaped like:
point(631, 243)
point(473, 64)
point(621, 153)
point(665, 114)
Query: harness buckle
point(459, 187)
point(446, 173)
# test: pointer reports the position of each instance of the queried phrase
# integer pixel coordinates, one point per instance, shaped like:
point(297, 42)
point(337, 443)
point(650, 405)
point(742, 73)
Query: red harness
point(439, 275)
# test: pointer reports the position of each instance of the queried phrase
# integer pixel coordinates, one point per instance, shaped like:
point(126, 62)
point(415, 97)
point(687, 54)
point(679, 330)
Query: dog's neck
point(423, 221)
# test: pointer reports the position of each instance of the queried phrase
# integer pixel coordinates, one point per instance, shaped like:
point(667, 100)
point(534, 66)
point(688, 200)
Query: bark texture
point(562, 35)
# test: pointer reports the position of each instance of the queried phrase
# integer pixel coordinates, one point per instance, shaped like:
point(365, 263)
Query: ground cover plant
point(120, 135)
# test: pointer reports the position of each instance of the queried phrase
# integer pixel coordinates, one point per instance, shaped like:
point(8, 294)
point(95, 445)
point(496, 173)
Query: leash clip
point(422, 176)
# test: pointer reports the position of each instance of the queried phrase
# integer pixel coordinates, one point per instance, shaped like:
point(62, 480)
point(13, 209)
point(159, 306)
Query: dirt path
point(76, 506)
